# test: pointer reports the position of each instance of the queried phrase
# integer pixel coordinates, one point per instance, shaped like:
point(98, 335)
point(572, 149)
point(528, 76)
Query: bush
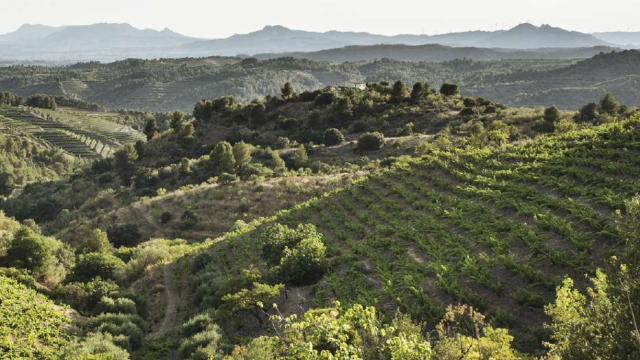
point(222, 159)
point(39, 254)
point(407, 129)
point(117, 306)
point(299, 252)
point(92, 265)
point(85, 297)
point(449, 89)
point(189, 219)
point(609, 105)
point(304, 263)
point(298, 158)
point(551, 118)
point(588, 113)
point(99, 345)
point(165, 217)
point(98, 242)
point(371, 141)
point(124, 235)
point(126, 328)
point(468, 111)
point(333, 137)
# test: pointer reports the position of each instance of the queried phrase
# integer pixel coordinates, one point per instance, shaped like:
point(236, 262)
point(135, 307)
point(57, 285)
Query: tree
point(304, 263)
point(34, 252)
point(124, 235)
point(333, 137)
point(603, 323)
point(399, 92)
point(8, 98)
point(276, 162)
point(125, 159)
point(92, 265)
point(177, 122)
point(588, 113)
point(242, 154)
point(42, 101)
point(371, 141)
point(98, 242)
point(151, 128)
point(299, 157)
point(222, 159)
point(417, 93)
point(287, 91)
point(255, 299)
point(551, 118)
point(609, 104)
point(187, 133)
point(449, 89)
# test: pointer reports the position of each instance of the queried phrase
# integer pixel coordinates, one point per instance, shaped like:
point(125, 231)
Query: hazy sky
point(214, 18)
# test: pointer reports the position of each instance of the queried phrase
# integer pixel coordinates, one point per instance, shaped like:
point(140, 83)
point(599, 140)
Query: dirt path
point(171, 306)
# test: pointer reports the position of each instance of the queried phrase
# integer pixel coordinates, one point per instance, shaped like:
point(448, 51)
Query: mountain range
point(110, 42)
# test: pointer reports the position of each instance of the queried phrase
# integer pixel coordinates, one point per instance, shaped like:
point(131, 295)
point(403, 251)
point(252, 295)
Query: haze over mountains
point(109, 42)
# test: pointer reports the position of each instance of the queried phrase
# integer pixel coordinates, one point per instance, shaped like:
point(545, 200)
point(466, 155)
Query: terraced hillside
point(497, 229)
point(84, 138)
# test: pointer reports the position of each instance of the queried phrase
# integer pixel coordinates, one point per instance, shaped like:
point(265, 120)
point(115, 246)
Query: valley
point(306, 195)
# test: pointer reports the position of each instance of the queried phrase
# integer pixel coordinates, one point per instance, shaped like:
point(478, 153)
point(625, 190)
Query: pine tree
point(222, 159)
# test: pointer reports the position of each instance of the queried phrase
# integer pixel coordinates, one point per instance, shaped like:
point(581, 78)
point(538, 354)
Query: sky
point(217, 19)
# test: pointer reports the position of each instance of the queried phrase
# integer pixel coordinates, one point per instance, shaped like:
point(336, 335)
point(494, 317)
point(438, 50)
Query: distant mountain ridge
point(110, 42)
point(437, 53)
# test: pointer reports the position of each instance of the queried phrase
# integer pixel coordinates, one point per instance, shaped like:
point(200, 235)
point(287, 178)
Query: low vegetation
point(391, 222)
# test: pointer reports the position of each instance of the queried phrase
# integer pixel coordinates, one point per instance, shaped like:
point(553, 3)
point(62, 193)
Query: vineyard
point(81, 136)
point(496, 229)
point(37, 327)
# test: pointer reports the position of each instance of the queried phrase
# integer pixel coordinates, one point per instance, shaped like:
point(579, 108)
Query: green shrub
point(333, 137)
point(222, 159)
point(304, 264)
point(449, 89)
point(371, 141)
point(100, 346)
point(117, 306)
point(43, 256)
point(124, 235)
point(85, 297)
point(92, 265)
point(166, 217)
point(189, 219)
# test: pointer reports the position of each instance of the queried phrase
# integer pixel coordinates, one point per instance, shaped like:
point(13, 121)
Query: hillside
point(366, 213)
point(616, 72)
point(498, 229)
point(26, 159)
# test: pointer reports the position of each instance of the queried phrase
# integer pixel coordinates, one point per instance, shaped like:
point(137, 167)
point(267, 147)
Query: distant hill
point(27, 33)
point(169, 85)
point(624, 39)
point(570, 86)
point(527, 36)
point(110, 42)
point(438, 53)
point(87, 42)
point(275, 39)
